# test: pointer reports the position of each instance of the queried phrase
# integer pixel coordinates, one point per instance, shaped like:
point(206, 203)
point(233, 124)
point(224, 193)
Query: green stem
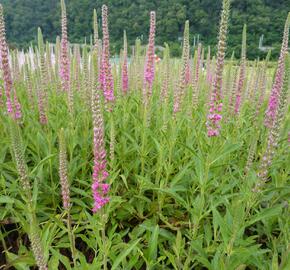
point(104, 242)
point(143, 143)
point(51, 172)
point(71, 238)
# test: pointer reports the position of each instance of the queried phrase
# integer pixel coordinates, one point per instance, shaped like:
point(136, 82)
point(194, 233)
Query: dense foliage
point(262, 16)
point(178, 198)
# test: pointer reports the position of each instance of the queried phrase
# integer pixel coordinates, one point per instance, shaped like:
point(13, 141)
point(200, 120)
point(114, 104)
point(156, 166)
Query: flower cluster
point(99, 188)
point(106, 77)
point(22, 170)
point(216, 104)
point(242, 72)
point(41, 108)
point(187, 72)
point(149, 72)
point(276, 89)
point(64, 61)
point(179, 90)
point(42, 83)
point(96, 50)
point(37, 250)
point(165, 77)
point(262, 84)
point(272, 141)
point(125, 67)
point(12, 106)
point(63, 172)
point(195, 91)
point(214, 117)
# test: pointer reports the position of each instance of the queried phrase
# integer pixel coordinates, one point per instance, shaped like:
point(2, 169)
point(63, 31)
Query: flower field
point(143, 163)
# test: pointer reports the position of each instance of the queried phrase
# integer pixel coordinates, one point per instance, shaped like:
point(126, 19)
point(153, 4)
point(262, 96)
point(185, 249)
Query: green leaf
point(124, 254)
point(153, 244)
point(264, 214)
point(41, 162)
point(6, 199)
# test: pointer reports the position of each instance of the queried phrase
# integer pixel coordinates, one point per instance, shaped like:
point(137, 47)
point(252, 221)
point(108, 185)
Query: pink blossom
point(212, 132)
point(215, 106)
point(277, 86)
point(100, 174)
point(7, 77)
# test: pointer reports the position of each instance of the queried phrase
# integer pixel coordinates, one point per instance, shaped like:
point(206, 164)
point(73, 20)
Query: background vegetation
point(262, 17)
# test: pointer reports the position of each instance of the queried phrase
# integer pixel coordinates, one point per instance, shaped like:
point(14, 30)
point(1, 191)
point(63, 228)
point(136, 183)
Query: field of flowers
point(143, 164)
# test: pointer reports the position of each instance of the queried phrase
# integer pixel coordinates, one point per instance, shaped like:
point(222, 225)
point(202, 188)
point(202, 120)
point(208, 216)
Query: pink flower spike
point(215, 106)
point(106, 77)
point(64, 63)
point(99, 187)
point(149, 72)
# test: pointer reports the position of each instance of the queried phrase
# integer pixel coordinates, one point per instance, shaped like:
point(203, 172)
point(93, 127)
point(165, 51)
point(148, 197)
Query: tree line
point(263, 17)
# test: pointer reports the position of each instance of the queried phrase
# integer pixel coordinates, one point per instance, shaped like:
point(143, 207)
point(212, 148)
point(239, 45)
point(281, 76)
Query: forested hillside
point(262, 17)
